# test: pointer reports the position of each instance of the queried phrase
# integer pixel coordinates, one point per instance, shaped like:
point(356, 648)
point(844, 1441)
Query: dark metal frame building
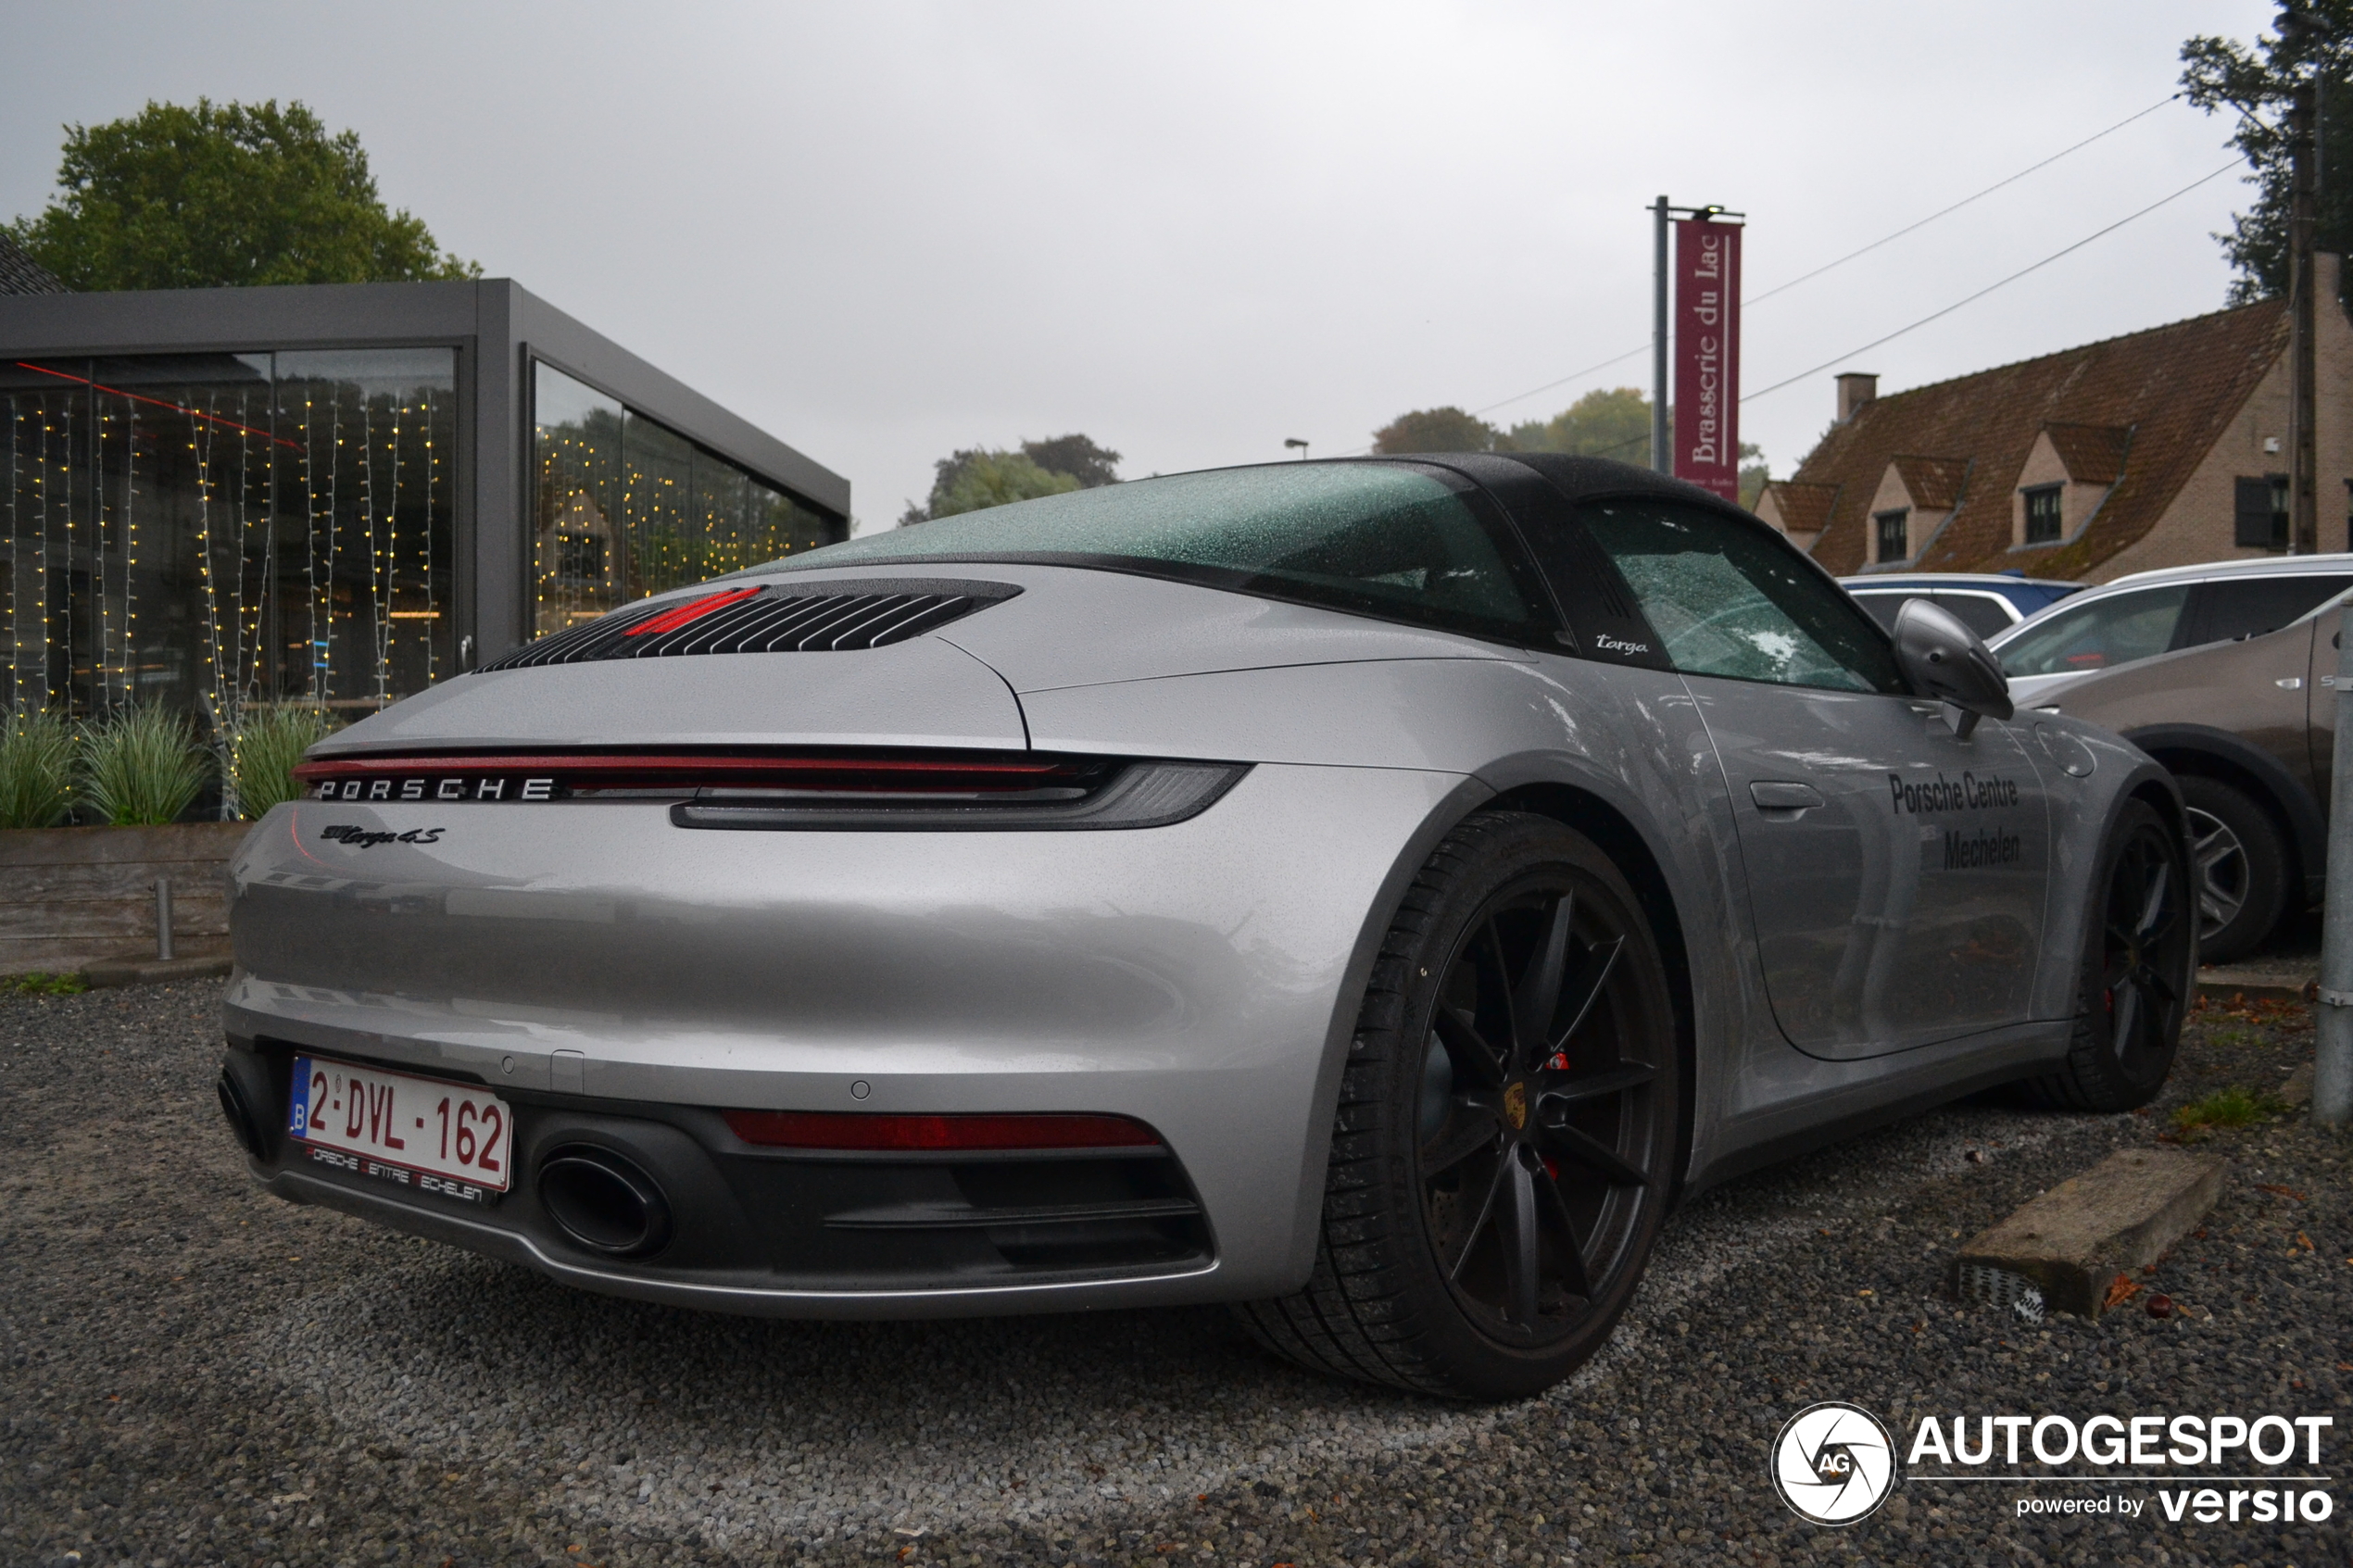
point(501, 342)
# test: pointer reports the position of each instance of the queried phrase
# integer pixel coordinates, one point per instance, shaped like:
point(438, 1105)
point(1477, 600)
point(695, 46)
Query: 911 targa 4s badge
point(1368, 893)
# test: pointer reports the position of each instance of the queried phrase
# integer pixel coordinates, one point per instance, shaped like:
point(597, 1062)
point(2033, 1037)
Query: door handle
point(1771, 796)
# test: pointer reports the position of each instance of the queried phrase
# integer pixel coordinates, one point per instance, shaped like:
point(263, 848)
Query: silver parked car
point(1365, 892)
point(2149, 613)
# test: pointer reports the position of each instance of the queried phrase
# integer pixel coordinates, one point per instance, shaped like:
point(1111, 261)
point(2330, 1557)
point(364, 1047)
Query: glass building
point(334, 496)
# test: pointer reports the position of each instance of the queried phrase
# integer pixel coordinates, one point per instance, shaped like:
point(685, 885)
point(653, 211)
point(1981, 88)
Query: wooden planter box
point(71, 897)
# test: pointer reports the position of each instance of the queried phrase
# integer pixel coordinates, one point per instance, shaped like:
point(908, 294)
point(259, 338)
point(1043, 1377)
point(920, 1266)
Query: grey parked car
point(1366, 892)
point(2216, 671)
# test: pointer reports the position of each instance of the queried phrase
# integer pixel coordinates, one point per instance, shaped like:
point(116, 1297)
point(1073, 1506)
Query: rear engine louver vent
point(832, 617)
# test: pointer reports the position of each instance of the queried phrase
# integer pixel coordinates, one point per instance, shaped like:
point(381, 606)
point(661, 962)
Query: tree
point(2221, 74)
point(1435, 430)
point(1075, 456)
point(976, 477)
point(226, 195)
point(1616, 423)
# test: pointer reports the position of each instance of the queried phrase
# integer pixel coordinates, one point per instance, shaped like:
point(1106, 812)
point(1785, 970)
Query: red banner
point(1708, 356)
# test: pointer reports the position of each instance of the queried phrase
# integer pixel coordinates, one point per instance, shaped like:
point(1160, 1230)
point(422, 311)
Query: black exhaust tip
point(241, 1118)
point(604, 1201)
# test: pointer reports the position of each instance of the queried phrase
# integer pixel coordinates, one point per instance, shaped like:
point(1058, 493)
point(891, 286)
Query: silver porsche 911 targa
point(1368, 892)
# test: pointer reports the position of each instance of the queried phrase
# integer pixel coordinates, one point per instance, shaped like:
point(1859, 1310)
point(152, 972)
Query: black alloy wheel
point(1537, 1149)
point(2137, 969)
point(1509, 1129)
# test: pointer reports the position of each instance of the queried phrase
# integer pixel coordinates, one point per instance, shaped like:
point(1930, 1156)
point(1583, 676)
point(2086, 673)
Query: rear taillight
point(800, 790)
point(872, 1133)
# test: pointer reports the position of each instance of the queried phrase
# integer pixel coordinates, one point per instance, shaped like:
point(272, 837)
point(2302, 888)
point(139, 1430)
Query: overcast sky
point(883, 232)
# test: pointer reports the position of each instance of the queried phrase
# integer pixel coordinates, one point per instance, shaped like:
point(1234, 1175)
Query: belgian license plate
point(429, 1136)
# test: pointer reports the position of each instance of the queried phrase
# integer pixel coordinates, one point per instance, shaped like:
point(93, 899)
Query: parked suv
point(2155, 612)
point(2217, 672)
point(1987, 603)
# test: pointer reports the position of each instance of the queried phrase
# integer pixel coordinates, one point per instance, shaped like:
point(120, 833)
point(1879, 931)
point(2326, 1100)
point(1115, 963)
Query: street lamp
point(1294, 441)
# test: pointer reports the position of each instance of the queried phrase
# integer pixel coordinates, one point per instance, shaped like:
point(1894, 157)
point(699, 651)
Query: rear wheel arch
point(1630, 853)
point(2189, 751)
point(1573, 807)
point(1382, 1302)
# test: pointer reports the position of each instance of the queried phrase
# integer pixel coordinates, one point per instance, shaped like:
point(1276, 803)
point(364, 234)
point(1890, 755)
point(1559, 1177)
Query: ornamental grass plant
point(142, 767)
point(36, 769)
point(263, 750)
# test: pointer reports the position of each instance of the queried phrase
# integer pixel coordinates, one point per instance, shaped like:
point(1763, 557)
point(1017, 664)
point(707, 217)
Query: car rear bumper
point(621, 981)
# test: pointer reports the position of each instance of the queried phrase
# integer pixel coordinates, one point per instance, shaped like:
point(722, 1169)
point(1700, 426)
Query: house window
point(2042, 515)
point(1894, 534)
point(2259, 504)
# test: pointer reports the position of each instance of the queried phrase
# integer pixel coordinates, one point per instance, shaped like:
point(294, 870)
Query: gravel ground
point(193, 1372)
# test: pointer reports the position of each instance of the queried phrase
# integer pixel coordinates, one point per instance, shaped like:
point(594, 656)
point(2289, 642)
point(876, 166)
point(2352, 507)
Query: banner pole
point(1662, 460)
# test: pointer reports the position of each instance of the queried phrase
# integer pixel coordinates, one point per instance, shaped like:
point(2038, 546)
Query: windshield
point(1392, 540)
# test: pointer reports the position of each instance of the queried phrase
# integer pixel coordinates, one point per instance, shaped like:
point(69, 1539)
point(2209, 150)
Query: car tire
point(2242, 868)
point(1494, 1185)
point(2138, 967)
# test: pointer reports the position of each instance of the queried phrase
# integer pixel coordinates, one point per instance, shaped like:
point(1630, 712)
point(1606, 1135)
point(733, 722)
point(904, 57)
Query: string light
point(665, 511)
point(261, 481)
point(77, 475)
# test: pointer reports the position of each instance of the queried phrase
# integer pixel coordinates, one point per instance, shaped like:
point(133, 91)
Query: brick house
point(2164, 447)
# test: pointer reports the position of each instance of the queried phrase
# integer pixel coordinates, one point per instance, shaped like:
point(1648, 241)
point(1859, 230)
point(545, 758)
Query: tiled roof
point(2174, 388)
point(1934, 483)
point(20, 274)
point(2094, 454)
point(1805, 508)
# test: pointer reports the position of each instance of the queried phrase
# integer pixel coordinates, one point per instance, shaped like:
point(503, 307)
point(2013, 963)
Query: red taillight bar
point(854, 1130)
point(358, 767)
point(694, 609)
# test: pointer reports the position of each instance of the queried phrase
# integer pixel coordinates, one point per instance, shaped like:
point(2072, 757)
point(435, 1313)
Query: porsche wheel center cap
point(1515, 1105)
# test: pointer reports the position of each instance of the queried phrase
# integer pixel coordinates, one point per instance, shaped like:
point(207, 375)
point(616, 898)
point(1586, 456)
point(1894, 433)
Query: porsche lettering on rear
point(444, 789)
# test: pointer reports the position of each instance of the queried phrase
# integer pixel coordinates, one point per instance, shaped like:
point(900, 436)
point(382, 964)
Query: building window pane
point(624, 507)
point(1894, 536)
point(2042, 515)
point(2260, 505)
point(214, 533)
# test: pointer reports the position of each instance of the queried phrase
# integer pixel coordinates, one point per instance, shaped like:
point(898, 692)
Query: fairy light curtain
point(218, 532)
point(624, 507)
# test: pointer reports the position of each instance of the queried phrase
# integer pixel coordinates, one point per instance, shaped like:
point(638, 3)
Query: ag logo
point(1834, 1463)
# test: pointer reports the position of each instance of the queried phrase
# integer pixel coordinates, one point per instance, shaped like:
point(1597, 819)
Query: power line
point(1783, 288)
point(1574, 375)
point(1827, 266)
point(1751, 397)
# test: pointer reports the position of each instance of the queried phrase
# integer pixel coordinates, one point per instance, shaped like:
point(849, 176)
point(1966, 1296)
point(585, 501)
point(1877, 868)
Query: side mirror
point(1945, 660)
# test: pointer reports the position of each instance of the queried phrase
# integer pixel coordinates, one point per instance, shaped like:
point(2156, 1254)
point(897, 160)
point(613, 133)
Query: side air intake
point(829, 617)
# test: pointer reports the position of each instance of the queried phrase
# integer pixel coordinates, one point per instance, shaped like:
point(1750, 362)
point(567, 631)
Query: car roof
point(2261, 566)
point(1995, 582)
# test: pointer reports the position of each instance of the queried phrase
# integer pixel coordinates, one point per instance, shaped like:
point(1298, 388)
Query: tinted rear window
point(1978, 612)
point(2248, 606)
point(1883, 606)
point(1394, 540)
